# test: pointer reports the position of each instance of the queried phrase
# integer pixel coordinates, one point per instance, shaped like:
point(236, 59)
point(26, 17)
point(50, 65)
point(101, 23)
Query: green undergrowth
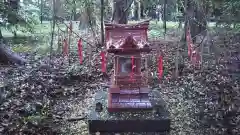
point(39, 40)
point(22, 48)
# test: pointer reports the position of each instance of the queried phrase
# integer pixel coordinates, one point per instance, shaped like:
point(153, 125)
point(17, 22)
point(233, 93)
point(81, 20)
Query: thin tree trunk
point(191, 22)
point(59, 41)
point(165, 19)
point(102, 27)
point(179, 18)
point(139, 10)
point(90, 58)
point(177, 62)
point(53, 28)
point(1, 36)
point(74, 14)
point(185, 21)
point(142, 9)
point(83, 20)
point(69, 41)
point(135, 10)
point(41, 10)
point(201, 54)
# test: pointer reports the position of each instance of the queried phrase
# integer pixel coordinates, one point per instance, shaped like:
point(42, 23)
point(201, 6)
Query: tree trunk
point(190, 19)
point(83, 20)
point(142, 9)
point(108, 10)
point(120, 14)
point(137, 10)
point(197, 19)
point(74, 11)
point(7, 56)
point(58, 9)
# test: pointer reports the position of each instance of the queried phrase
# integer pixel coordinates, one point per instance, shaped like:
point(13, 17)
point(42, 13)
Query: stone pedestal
point(155, 119)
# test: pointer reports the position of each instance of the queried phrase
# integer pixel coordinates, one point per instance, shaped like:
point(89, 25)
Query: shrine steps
point(128, 102)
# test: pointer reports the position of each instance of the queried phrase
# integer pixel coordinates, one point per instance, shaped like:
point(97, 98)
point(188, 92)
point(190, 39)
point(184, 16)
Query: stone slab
point(142, 121)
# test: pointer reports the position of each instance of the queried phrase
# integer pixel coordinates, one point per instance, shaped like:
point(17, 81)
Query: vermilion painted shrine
point(128, 104)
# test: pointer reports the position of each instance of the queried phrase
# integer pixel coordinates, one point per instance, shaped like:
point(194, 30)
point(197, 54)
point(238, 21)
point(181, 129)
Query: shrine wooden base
point(128, 100)
point(116, 122)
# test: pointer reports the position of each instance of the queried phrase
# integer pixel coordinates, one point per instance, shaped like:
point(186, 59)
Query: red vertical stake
point(80, 50)
point(103, 61)
point(133, 67)
point(189, 42)
point(196, 59)
point(65, 47)
point(160, 67)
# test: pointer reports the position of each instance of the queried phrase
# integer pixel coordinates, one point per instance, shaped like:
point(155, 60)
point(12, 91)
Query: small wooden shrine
point(129, 89)
point(124, 106)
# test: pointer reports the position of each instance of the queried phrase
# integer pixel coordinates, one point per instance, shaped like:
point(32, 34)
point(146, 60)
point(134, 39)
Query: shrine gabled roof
point(127, 42)
point(119, 36)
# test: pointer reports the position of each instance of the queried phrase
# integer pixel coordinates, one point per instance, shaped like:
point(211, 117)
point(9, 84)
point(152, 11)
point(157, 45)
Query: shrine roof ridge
point(141, 25)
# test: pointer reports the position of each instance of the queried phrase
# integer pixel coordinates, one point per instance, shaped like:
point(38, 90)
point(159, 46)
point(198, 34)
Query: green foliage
point(23, 19)
point(232, 7)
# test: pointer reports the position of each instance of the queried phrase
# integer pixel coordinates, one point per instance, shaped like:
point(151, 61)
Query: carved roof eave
point(130, 50)
point(129, 42)
point(123, 44)
point(140, 46)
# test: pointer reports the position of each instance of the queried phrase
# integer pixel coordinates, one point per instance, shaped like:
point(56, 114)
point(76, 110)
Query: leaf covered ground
point(45, 98)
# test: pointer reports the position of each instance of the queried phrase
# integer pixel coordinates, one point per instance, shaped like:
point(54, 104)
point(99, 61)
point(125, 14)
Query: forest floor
point(49, 98)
